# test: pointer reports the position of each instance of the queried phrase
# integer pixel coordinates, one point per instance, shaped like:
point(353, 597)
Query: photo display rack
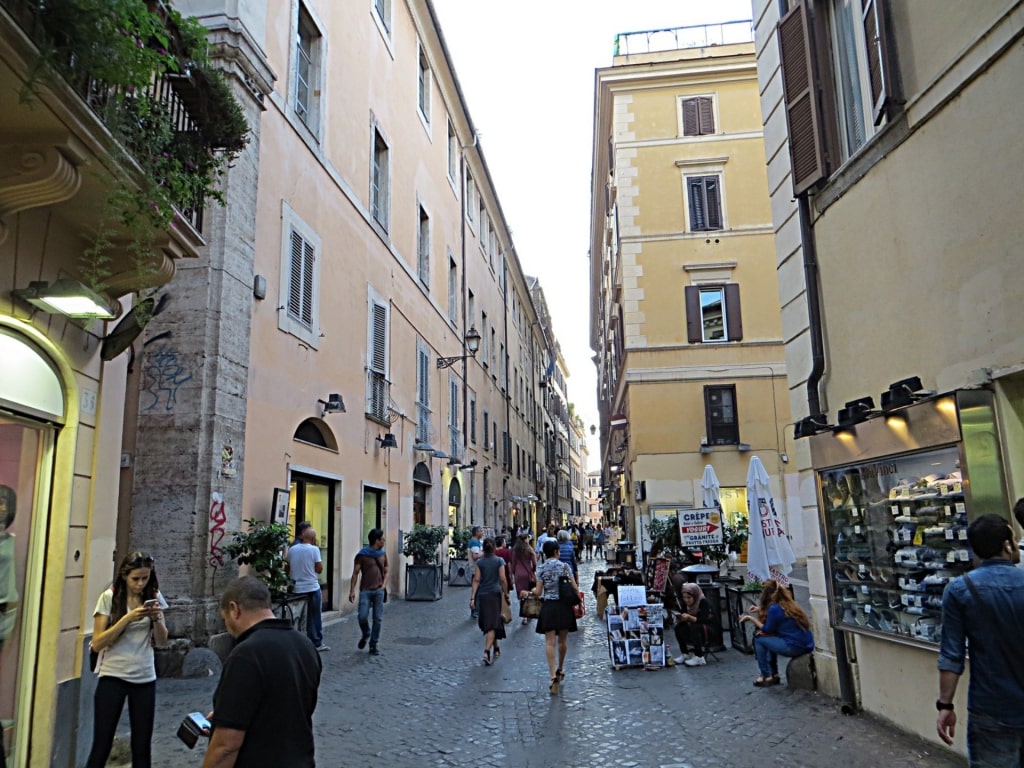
point(636, 631)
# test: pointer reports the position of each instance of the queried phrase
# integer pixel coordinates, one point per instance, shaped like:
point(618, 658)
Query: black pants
point(691, 634)
point(108, 703)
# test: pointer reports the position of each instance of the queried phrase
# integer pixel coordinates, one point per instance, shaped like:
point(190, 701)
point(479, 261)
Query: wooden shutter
point(691, 125)
point(733, 317)
point(713, 198)
point(798, 80)
point(379, 331)
point(300, 280)
point(881, 67)
point(694, 332)
point(698, 216)
point(706, 115)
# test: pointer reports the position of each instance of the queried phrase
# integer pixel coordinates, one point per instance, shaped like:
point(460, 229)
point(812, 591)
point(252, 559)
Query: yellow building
point(890, 129)
point(685, 317)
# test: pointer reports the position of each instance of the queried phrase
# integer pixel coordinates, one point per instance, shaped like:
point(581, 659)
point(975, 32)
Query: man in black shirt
point(263, 706)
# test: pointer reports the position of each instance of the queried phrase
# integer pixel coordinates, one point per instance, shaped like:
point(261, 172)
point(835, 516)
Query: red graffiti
point(218, 517)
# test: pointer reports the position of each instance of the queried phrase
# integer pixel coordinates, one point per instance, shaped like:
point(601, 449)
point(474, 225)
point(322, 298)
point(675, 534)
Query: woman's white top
point(130, 658)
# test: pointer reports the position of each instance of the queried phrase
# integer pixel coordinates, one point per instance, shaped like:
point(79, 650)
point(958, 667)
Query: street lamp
point(472, 344)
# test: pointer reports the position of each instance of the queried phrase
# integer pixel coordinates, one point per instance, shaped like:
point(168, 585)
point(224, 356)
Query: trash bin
point(625, 553)
point(701, 574)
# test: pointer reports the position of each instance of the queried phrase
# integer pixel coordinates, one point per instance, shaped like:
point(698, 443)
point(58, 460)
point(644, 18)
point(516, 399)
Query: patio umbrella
point(709, 486)
point(769, 554)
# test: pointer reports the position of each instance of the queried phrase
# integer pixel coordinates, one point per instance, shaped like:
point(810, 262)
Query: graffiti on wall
point(218, 518)
point(163, 374)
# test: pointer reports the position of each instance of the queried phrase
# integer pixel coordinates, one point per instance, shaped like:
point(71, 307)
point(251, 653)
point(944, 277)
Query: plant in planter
point(664, 533)
point(262, 549)
point(423, 575)
point(459, 572)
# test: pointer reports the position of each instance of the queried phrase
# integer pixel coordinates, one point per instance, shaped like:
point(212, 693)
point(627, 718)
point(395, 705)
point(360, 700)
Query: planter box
point(460, 573)
point(423, 582)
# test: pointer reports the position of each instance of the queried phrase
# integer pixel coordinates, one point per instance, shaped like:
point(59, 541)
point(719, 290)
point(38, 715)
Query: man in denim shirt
point(995, 699)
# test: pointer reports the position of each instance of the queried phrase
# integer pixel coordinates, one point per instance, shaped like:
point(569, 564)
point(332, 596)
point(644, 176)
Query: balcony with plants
point(114, 114)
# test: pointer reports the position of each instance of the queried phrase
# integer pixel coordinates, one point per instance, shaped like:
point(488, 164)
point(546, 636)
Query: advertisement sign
point(700, 527)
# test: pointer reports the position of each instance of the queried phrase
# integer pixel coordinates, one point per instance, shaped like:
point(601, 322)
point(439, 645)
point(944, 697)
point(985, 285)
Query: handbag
point(566, 590)
point(529, 607)
point(580, 609)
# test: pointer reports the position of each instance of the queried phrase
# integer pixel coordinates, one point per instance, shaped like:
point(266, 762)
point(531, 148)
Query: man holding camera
point(264, 702)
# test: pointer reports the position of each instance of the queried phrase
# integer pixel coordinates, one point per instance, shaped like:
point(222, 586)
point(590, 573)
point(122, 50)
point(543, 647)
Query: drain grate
point(415, 640)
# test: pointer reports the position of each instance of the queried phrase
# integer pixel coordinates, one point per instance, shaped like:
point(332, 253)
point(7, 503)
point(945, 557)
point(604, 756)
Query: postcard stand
point(636, 631)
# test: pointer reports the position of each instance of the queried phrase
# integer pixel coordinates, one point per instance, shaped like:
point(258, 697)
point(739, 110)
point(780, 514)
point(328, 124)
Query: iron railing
point(681, 38)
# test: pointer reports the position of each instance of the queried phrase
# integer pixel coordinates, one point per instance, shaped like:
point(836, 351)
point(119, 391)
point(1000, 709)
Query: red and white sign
point(700, 527)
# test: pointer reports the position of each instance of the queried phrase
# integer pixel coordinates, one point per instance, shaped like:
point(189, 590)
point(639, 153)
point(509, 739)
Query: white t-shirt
point(130, 658)
point(302, 560)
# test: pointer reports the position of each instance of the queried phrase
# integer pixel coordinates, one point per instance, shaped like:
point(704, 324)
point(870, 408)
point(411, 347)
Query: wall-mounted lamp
point(439, 455)
point(593, 429)
point(423, 445)
point(387, 442)
point(455, 461)
point(855, 412)
point(811, 425)
point(904, 392)
point(531, 497)
point(472, 344)
point(471, 466)
point(333, 404)
point(66, 297)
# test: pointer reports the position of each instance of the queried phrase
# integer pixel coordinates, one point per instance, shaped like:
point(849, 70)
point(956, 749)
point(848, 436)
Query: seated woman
point(693, 626)
point(783, 630)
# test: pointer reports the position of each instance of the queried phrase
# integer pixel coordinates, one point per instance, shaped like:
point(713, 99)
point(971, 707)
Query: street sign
point(700, 527)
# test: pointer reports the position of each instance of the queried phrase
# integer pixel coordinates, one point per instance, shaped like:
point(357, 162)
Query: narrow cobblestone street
point(427, 700)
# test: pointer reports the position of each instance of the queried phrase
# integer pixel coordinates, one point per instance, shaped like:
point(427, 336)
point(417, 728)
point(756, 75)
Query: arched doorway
point(454, 502)
point(421, 484)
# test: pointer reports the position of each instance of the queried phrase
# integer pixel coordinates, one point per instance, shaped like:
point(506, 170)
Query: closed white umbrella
point(769, 554)
point(709, 487)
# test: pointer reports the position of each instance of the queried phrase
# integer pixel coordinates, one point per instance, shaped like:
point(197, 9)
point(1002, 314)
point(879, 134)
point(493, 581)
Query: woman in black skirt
point(557, 619)
point(490, 587)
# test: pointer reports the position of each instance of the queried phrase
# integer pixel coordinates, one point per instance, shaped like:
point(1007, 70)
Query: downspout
point(465, 299)
point(847, 684)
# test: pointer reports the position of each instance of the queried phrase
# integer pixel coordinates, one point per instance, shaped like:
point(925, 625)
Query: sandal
point(560, 674)
point(497, 651)
point(487, 658)
point(553, 688)
point(764, 682)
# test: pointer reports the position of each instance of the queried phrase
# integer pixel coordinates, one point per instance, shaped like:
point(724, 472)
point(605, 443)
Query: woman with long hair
point(127, 622)
point(557, 619)
point(693, 626)
point(524, 566)
point(490, 587)
point(783, 630)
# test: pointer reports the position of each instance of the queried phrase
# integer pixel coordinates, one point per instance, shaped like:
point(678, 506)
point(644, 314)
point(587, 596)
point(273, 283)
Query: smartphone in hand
point(154, 603)
point(192, 727)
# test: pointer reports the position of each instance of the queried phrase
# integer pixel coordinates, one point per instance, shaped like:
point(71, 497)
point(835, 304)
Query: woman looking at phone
point(127, 622)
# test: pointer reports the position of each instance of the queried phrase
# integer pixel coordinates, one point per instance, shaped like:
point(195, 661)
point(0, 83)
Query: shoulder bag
point(566, 591)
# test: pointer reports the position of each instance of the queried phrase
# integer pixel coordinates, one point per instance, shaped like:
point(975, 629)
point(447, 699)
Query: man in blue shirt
point(985, 610)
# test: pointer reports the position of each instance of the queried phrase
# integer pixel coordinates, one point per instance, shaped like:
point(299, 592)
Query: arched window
point(316, 432)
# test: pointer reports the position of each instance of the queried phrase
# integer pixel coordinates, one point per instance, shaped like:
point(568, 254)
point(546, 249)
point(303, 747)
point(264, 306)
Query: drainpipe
point(847, 683)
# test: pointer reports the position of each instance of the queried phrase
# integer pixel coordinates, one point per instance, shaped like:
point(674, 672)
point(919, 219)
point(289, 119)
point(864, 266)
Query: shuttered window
point(423, 248)
point(380, 193)
point(705, 201)
point(713, 313)
point(423, 85)
point(378, 386)
point(300, 280)
point(698, 116)
point(453, 417)
point(422, 391)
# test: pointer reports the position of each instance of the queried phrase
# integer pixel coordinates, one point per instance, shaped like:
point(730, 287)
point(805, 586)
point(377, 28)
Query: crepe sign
point(700, 527)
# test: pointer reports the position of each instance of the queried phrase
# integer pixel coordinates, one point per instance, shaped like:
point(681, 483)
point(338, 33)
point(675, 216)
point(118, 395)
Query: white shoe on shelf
point(696, 661)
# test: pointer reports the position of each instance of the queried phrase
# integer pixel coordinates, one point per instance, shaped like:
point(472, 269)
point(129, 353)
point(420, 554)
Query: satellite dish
point(130, 326)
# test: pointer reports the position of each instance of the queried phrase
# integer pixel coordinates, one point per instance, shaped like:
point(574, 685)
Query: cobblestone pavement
point(427, 700)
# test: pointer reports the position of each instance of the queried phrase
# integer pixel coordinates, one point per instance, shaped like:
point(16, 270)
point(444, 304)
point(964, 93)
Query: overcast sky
point(527, 71)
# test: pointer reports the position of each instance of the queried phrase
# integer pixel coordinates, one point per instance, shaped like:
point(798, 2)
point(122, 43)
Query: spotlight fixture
point(855, 412)
point(454, 461)
point(423, 445)
point(811, 425)
point(471, 466)
point(439, 455)
point(387, 442)
point(66, 297)
point(903, 393)
point(333, 404)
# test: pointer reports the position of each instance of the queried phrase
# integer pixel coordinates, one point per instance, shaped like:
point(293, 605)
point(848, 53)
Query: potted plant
point(460, 574)
point(423, 576)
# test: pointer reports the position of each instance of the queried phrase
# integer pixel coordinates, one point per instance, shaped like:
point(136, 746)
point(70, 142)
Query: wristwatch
point(941, 705)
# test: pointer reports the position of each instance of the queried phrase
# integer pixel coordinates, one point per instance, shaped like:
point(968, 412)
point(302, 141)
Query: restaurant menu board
point(636, 636)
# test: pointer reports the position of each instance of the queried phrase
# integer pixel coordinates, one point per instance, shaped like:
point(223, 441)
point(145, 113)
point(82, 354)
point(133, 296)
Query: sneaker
point(374, 651)
point(681, 659)
point(696, 661)
point(362, 642)
point(323, 647)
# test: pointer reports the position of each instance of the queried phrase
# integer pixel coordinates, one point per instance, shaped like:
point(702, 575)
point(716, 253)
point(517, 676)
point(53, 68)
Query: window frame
point(308, 114)
point(453, 152)
point(291, 223)
point(732, 321)
point(424, 80)
point(453, 290)
point(733, 428)
point(422, 390)
point(380, 182)
point(423, 233)
point(704, 179)
point(381, 10)
point(378, 367)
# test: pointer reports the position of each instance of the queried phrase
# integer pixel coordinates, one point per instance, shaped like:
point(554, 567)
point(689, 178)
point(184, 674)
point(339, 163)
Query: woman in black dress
point(490, 587)
point(557, 619)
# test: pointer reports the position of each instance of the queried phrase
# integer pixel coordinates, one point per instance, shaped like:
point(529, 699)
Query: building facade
point(688, 342)
point(904, 368)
